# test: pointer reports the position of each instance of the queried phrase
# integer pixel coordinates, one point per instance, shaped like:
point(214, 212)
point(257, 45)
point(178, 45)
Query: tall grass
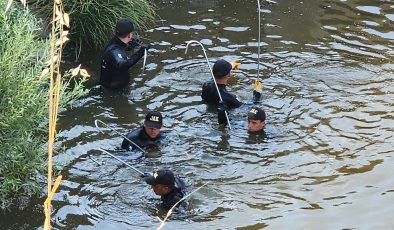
point(93, 21)
point(24, 93)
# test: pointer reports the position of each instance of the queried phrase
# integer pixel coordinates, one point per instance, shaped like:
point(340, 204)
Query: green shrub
point(93, 21)
point(24, 102)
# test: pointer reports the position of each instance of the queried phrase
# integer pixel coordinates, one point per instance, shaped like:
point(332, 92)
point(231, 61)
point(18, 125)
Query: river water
point(326, 163)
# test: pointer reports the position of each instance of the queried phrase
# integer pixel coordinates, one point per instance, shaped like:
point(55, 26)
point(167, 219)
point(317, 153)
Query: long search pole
point(124, 162)
point(213, 77)
point(99, 121)
point(258, 45)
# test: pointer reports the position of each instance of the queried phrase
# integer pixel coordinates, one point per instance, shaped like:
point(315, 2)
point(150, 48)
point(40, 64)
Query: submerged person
point(171, 188)
point(115, 62)
point(147, 136)
point(256, 120)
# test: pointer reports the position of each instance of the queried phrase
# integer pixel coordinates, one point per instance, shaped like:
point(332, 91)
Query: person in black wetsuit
point(171, 188)
point(222, 73)
point(147, 136)
point(256, 120)
point(115, 62)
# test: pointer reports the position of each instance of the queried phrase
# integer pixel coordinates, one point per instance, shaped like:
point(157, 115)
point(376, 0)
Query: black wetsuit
point(210, 95)
point(175, 195)
point(141, 138)
point(115, 64)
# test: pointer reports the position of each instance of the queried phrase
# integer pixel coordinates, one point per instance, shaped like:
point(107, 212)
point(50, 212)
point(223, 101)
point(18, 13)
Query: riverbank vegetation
point(24, 96)
point(92, 22)
point(25, 77)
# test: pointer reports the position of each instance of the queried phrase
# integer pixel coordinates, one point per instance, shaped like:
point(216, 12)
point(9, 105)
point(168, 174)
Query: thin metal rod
point(98, 121)
point(145, 55)
point(91, 158)
point(213, 76)
point(144, 63)
point(124, 162)
point(258, 45)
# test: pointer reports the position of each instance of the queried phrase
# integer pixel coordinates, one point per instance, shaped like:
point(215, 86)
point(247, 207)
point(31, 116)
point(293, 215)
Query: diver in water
point(115, 62)
point(171, 188)
point(256, 120)
point(222, 73)
point(148, 135)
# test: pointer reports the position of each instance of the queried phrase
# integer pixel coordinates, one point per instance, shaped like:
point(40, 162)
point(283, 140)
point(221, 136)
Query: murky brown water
point(329, 95)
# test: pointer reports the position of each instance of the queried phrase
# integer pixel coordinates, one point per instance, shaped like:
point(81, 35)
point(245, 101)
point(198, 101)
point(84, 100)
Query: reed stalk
point(25, 91)
point(93, 21)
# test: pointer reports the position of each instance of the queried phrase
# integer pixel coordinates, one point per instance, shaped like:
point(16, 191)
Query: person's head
point(124, 29)
point(221, 71)
point(256, 119)
point(153, 123)
point(162, 181)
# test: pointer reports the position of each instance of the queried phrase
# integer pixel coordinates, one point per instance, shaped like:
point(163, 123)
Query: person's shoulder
point(135, 132)
point(209, 83)
point(180, 184)
point(207, 89)
point(177, 196)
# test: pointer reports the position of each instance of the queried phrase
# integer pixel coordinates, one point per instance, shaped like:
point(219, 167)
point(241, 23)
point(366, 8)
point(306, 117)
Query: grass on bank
point(24, 93)
point(93, 21)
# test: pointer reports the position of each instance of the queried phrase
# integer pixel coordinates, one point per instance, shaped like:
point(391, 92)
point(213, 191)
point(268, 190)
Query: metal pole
point(124, 162)
point(258, 45)
point(213, 77)
point(144, 63)
point(97, 121)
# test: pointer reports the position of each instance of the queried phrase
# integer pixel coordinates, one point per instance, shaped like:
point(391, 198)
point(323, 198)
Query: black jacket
point(142, 139)
point(175, 195)
point(115, 64)
point(210, 95)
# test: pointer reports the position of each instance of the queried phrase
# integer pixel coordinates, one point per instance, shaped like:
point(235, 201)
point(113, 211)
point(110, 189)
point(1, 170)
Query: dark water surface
point(328, 78)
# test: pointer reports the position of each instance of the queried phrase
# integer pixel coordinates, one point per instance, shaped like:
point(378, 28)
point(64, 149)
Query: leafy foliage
point(93, 21)
point(24, 102)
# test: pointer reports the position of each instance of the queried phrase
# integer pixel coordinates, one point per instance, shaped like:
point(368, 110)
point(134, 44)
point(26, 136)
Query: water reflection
point(329, 95)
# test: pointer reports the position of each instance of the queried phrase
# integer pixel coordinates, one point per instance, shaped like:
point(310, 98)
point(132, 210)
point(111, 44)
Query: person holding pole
point(171, 188)
point(164, 183)
point(222, 73)
point(115, 62)
point(147, 136)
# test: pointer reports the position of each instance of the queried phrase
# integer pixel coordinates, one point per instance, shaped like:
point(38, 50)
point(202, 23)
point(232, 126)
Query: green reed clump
point(24, 103)
point(93, 21)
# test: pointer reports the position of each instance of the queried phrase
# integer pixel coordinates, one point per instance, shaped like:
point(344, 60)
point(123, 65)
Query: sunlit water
point(327, 161)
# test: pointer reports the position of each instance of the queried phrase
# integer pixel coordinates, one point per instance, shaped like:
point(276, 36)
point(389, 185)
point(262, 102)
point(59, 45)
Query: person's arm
point(121, 62)
point(230, 100)
point(126, 144)
point(204, 92)
point(222, 118)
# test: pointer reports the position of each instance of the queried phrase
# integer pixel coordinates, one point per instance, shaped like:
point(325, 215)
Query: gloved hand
point(257, 91)
point(147, 174)
point(235, 64)
point(135, 42)
point(222, 108)
point(145, 47)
